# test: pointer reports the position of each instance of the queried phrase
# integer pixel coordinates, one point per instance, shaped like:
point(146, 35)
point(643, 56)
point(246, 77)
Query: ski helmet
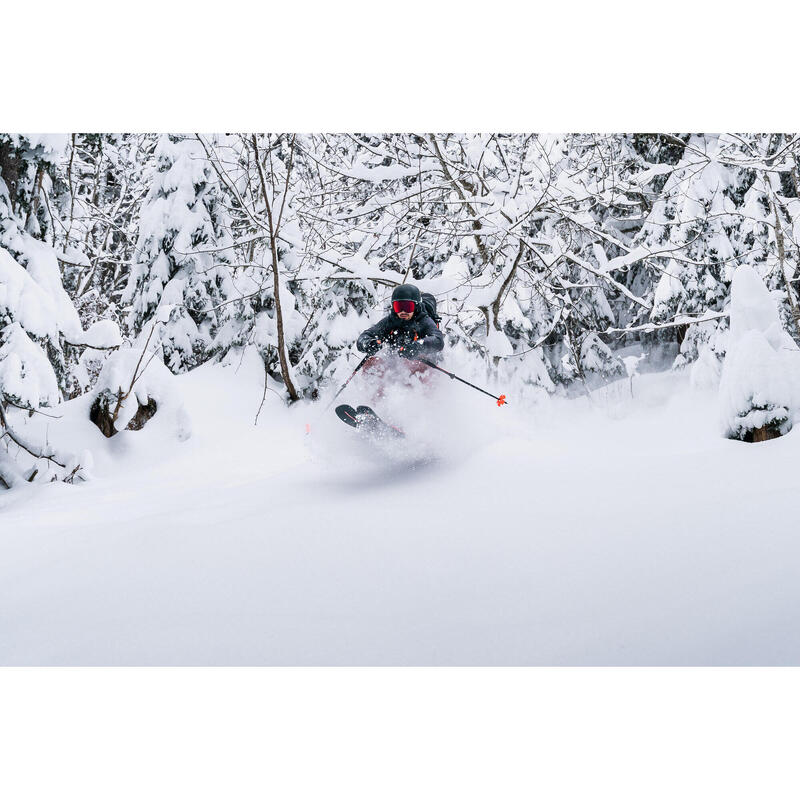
point(406, 291)
point(406, 299)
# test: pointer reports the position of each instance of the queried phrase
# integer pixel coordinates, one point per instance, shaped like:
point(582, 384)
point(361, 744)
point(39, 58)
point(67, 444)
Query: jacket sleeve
point(377, 331)
point(432, 339)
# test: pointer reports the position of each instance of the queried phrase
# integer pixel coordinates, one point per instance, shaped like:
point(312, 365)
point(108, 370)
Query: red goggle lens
point(404, 306)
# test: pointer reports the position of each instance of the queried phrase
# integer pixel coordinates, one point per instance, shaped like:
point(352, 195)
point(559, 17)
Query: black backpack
point(428, 303)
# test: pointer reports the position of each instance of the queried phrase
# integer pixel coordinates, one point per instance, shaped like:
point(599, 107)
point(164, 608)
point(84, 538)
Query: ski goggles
point(404, 306)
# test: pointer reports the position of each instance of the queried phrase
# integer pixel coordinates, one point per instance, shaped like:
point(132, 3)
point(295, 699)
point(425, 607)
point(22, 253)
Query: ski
point(365, 419)
point(347, 414)
point(371, 421)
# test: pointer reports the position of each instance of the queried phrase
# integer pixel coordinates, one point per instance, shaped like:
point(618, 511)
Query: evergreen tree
point(181, 274)
point(38, 322)
point(696, 240)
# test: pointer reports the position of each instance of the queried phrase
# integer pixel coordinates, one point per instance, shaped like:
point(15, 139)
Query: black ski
point(348, 415)
point(365, 419)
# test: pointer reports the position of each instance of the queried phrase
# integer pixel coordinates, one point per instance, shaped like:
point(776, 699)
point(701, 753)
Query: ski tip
point(308, 428)
point(501, 401)
point(347, 414)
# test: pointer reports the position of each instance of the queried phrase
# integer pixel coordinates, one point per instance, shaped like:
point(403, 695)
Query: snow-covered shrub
point(133, 386)
point(526, 376)
point(760, 384)
point(596, 357)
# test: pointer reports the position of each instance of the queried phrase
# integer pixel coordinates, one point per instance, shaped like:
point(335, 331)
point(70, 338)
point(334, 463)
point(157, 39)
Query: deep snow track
point(627, 532)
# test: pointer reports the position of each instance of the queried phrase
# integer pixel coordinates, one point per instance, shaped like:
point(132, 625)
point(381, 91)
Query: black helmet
point(406, 291)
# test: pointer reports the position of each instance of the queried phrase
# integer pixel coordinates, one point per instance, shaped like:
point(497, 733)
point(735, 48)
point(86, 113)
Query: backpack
point(428, 303)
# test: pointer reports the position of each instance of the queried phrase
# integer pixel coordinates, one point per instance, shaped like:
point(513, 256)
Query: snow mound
point(131, 380)
point(101, 335)
point(760, 382)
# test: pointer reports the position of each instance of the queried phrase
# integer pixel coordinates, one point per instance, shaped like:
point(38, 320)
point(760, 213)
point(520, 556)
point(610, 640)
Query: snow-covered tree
point(102, 186)
point(181, 276)
point(38, 321)
point(545, 252)
point(696, 243)
point(260, 175)
point(496, 226)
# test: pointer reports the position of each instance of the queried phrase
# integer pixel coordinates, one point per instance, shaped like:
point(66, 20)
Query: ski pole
point(360, 364)
point(358, 367)
point(501, 401)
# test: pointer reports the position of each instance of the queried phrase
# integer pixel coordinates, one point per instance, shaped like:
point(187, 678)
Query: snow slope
point(516, 536)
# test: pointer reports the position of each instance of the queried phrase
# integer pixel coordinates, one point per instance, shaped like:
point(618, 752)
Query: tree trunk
point(285, 373)
point(782, 260)
point(762, 434)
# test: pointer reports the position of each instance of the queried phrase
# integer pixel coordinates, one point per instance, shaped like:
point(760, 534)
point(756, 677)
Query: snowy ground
point(515, 536)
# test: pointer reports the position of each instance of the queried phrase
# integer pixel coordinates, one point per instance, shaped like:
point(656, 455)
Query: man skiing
point(408, 330)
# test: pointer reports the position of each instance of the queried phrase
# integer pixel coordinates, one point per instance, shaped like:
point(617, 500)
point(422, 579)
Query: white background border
point(398, 733)
point(361, 733)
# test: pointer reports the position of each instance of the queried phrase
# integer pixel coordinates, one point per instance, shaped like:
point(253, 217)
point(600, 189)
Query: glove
point(409, 350)
point(372, 347)
point(395, 341)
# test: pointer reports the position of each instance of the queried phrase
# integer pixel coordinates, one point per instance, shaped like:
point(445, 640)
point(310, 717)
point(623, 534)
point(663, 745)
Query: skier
point(411, 332)
point(408, 331)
